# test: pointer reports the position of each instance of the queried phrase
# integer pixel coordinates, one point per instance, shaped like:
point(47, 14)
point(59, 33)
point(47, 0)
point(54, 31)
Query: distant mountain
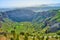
point(56, 5)
point(44, 7)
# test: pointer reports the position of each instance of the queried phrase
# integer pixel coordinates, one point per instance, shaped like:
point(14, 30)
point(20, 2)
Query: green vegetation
point(37, 31)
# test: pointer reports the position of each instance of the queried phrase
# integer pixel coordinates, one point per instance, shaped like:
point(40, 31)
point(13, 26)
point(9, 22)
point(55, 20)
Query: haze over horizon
point(25, 3)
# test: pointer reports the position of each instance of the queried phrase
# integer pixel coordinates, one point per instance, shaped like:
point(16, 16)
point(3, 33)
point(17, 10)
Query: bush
point(58, 33)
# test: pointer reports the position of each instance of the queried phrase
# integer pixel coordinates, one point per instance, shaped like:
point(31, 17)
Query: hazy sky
point(25, 3)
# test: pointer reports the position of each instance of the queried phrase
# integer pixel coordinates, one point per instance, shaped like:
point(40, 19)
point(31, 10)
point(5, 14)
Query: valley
point(30, 23)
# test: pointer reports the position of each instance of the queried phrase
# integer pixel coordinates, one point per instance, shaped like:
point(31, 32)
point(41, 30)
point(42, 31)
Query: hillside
point(30, 24)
